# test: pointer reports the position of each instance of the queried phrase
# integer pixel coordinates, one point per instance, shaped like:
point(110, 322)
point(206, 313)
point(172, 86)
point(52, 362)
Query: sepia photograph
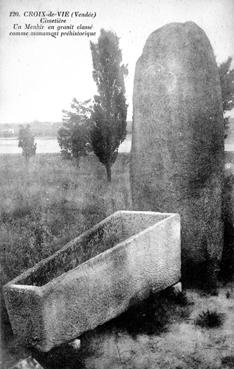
point(117, 184)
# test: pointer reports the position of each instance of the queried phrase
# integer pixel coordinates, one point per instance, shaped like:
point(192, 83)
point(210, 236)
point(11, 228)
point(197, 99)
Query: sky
point(39, 76)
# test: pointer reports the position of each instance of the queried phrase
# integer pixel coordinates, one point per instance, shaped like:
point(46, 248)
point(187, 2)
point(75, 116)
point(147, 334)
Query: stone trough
point(95, 277)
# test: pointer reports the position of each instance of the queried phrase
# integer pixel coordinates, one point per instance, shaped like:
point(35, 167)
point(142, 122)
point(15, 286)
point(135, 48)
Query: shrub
point(73, 136)
point(228, 361)
point(26, 142)
point(209, 319)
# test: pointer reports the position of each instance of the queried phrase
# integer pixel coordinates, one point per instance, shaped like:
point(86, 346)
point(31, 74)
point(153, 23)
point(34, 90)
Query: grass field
point(50, 201)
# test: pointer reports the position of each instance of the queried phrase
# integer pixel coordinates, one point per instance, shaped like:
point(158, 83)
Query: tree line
point(99, 124)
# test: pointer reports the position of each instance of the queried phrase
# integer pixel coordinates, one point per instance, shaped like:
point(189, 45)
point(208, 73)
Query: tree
point(74, 135)
point(110, 108)
point(26, 142)
point(227, 86)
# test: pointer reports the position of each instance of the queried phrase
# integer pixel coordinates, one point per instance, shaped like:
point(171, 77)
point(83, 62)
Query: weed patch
point(209, 319)
point(228, 361)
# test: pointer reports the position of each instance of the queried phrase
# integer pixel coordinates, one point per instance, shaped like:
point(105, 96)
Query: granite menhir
point(178, 140)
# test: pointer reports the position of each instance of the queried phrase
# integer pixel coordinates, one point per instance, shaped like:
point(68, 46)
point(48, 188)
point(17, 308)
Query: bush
point(228, 361)
point(26, 142)
point(73, 136)
point(209, 319)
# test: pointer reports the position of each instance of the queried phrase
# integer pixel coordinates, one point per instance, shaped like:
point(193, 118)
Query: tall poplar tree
point(110, 108)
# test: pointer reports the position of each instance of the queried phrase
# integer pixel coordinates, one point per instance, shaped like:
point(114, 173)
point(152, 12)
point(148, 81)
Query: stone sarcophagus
point(95, 277)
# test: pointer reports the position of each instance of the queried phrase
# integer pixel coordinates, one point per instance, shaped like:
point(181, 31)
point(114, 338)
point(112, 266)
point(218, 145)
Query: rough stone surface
point(144, 256)
point(177, 144)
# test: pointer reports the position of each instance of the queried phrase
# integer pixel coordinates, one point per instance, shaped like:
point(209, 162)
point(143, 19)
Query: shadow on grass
point(151, 316)
point(63, 357)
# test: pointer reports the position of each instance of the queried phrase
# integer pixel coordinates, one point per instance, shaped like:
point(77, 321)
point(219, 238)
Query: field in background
point(48, 145)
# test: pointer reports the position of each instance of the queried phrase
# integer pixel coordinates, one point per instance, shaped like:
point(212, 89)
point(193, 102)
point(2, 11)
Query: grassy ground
point(182, 345)
point(50, 201)
point(161, 333)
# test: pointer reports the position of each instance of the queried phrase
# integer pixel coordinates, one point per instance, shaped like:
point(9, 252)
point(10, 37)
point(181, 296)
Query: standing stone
point(178, 140)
